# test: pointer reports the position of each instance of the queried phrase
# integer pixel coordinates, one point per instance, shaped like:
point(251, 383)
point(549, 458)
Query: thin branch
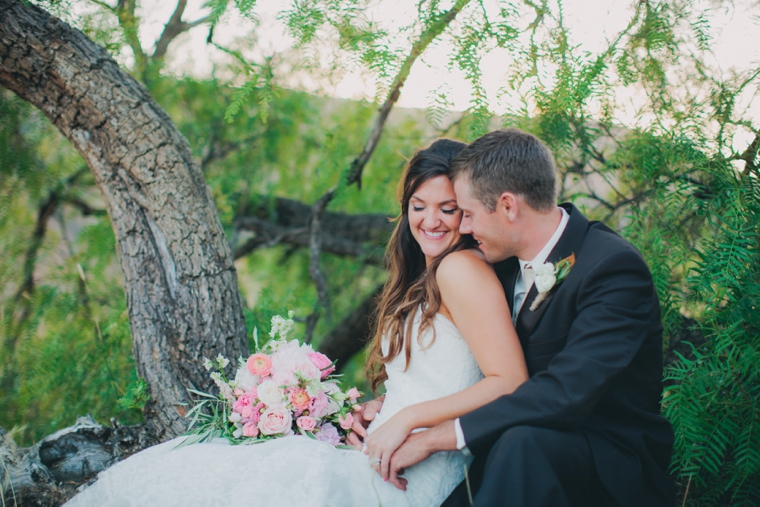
point(352, 334)
point(46, 210)
point(173, 28)
point(427, 36)
point(315, 249)
point(84, 208)
point(125, 11)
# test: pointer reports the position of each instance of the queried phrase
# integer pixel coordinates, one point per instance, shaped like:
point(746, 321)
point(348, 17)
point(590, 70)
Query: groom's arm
point(418, 447)
point(615, 306)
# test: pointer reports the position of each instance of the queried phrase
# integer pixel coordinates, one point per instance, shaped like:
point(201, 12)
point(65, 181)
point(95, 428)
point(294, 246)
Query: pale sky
point(591, 22)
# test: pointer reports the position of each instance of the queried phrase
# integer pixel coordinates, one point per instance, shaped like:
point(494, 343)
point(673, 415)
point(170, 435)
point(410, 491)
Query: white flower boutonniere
point(549, 276)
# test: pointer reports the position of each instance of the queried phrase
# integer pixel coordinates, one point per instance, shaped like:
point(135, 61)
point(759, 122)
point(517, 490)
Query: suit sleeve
point(615, 303)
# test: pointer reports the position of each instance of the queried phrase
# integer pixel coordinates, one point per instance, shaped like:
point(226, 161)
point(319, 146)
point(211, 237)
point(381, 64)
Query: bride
point(444, 346)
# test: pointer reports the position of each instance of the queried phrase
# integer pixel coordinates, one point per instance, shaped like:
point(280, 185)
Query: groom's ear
point(508, 205)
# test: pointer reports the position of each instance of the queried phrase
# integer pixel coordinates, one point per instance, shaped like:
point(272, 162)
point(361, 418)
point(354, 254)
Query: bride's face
point(434, 216)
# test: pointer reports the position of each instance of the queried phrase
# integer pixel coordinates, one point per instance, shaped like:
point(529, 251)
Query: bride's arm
point(475, 300)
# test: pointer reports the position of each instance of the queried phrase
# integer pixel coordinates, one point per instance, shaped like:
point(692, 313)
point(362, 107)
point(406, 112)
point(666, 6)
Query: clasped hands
point(391, 448)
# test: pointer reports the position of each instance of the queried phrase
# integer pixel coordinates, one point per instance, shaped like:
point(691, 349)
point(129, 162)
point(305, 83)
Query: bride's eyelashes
point(446, 211)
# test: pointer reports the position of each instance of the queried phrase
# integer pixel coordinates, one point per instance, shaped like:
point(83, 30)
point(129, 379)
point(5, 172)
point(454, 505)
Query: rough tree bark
point(181, 284)
point(49, 472)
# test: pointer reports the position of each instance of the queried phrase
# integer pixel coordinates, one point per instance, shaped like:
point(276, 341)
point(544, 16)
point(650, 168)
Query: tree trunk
point(181, 284)
point(49, 472)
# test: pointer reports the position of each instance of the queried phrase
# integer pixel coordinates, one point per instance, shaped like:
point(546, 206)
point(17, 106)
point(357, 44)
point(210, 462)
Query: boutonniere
point(548, 276)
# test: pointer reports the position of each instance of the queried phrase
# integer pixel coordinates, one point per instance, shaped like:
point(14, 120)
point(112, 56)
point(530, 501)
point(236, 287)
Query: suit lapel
point(569, 243)
point(507, 271)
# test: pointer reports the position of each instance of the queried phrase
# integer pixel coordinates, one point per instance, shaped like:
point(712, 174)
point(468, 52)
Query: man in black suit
point(585, 429)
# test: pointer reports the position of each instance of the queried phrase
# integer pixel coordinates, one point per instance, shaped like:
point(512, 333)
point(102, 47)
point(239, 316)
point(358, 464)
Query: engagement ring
point(375, 461)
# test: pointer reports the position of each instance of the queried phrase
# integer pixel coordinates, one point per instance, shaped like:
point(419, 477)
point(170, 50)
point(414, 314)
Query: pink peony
point(259, 364)
point(321, 361)
point(244, 401)
point(328, 433)
point(306, 423)
point(250, 430)
point(256, 417)
point(308, 370)
point(300, 399)
point(353, 393)
point(346, 422)
point(318, 405)
point(275, 420)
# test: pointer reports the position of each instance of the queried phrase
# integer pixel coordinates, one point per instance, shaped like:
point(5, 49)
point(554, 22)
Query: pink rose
point(318, 405)
point(247, 412)
point(259, 364)
point(328, 433)
point(321, 361)
point(299, 398)
point(250, 430)
point(353, 393)
point(306, 423)
point(275, 420)
point(346, 422)
point(245, 400)
point(256, 412)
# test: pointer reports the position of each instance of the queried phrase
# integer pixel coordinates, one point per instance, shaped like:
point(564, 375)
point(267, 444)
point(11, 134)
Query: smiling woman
point(434, 217)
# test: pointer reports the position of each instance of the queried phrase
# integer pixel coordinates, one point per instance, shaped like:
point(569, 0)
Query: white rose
point(545, 277)
point(270, 393)
point(245, 380)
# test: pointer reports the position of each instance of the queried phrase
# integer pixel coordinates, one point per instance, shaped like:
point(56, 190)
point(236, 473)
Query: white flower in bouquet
point(222, 361)
point(270, 393)
point(281, 326)
point(332, 406)
point(244, 380)
point(286, 361)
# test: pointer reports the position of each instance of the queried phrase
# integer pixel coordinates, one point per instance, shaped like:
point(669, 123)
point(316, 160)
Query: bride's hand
point(362, 417)
point(384, 441)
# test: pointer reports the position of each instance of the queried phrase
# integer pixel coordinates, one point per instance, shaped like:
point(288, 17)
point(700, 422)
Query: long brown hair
point(411, 283)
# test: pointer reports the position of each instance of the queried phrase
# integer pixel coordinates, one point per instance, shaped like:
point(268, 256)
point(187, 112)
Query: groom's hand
point(364, 415)
point(419, 446)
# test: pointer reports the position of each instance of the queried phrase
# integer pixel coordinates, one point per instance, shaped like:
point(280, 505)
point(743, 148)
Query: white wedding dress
point(297, 470)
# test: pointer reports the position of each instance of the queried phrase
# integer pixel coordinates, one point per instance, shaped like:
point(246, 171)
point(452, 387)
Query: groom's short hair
point(509, 160)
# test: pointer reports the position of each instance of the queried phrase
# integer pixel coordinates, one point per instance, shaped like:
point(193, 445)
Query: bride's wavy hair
point(411, 284)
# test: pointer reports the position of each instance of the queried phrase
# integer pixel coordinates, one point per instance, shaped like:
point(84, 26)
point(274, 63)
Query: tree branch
point(427, 36)
point(173, 28)
point(287, 222)
point(352, 334)
point(315, 249)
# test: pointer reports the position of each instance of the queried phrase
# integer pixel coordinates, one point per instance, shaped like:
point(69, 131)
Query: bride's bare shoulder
point(462, 263)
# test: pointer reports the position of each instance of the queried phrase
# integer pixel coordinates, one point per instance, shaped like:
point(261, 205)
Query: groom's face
point(491, 229)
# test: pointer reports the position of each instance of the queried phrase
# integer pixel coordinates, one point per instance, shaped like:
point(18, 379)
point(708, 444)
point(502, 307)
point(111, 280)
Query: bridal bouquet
point(284, 388)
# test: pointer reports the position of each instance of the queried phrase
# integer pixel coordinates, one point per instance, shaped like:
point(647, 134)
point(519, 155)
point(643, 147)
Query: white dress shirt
point(521, 291)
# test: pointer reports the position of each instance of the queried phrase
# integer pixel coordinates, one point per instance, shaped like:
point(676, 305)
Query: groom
point(585, 429)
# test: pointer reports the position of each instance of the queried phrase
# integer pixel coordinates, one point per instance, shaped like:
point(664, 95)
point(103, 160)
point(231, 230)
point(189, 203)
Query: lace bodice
point(298, 470)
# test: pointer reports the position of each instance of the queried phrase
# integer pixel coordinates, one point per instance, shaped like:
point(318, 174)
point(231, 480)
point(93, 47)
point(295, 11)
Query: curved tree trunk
point(181, 284)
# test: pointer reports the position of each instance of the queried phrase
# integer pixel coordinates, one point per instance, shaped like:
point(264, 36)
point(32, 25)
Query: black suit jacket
point(594, 355)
